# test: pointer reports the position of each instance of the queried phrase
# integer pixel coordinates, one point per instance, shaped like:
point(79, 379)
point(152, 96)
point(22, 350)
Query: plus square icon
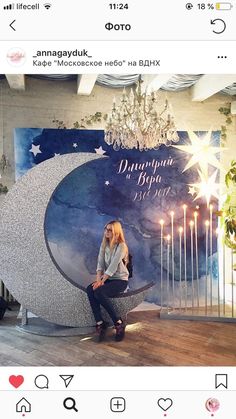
point(117, 404)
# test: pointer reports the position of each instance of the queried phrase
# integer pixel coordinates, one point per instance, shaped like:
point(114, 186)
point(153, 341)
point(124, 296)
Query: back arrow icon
point(12, 24)
point(213, 22)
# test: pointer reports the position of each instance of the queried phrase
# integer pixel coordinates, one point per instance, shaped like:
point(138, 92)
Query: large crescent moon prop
point(26, 266)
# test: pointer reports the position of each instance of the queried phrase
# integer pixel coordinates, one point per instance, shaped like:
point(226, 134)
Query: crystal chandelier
point(137, 123)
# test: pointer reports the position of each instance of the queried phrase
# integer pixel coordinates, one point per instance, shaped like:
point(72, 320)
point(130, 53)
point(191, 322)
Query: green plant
point(230, 177)
point(84, 123)
point(59, 124)
point(225, 110)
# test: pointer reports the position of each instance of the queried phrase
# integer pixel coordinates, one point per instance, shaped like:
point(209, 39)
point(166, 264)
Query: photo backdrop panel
point(139, 188)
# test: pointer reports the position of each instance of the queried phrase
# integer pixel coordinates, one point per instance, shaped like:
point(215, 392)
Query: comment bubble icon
point(41, 382)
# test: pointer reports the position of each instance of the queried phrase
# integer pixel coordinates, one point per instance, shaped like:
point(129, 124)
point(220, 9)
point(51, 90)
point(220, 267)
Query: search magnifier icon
point(70, 404)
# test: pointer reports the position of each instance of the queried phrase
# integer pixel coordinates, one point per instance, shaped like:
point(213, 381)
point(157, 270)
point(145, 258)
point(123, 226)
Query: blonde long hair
point(117, 235)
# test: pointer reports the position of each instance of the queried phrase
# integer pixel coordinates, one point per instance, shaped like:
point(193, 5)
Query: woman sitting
point(112, 277)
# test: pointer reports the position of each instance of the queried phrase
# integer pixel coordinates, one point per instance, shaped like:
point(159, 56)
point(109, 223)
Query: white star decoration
point(35, 149)
point(107, 183)
point(100, 151)
point(75, 145)
point(202, 152)
point(207, 187)
point(191, 190)
point(56, 154)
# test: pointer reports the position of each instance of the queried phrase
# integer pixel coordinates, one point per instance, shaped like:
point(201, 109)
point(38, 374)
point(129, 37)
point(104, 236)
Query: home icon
point(23, 406)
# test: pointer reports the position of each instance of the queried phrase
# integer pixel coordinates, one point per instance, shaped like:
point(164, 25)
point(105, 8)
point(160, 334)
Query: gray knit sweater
point(111, 262)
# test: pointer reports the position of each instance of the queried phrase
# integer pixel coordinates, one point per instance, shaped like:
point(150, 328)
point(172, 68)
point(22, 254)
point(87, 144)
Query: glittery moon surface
point(26, 266)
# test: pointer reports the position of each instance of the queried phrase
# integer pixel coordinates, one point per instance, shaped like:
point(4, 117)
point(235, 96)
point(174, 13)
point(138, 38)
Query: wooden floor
point(149, 341)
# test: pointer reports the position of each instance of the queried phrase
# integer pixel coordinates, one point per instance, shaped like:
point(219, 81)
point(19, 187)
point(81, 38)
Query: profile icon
point(16, 57)
point(212, 405)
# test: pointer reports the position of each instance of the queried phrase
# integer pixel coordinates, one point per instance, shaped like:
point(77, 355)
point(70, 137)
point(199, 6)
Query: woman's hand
point(97, 284)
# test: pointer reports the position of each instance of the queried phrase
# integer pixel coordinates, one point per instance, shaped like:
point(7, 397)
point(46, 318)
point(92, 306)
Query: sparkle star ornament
point(35, 149)
point(203, 153)
point(191, 190)
point(207, 187)
point(100, 151)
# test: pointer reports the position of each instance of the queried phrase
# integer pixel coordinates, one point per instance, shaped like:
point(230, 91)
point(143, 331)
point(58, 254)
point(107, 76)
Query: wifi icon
point(47, 6)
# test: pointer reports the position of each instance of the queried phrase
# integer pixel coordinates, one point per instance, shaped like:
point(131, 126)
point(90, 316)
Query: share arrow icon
point(67, 379)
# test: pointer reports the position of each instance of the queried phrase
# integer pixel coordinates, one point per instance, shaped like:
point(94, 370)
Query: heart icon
point(165, 404)
point(16, 380)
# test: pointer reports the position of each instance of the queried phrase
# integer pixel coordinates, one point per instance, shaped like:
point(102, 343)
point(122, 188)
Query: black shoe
point(120, 331)
point(101, 331)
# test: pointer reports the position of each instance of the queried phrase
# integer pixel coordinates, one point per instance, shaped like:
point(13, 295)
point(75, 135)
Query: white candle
point(180, 266)
point(162, 230)
point(224, 279)
point(232, 282)
point(172, 256)
point(211, 253)
point(218, 279)
point(206, 276)
point(168, 269)
point(185, 255)
point(196, 252)
point(191, 225)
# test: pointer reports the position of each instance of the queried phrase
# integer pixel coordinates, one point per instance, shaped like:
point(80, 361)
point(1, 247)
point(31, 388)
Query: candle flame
point(191, 223)
point(211, 207)
point(207, 223)
point(161, 222)
point(184, 206)
point(181, 230)
point(168, 237)
point(195, 214)
point(172, 213)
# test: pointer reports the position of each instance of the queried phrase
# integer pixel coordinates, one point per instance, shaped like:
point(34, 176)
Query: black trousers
point(101, 297)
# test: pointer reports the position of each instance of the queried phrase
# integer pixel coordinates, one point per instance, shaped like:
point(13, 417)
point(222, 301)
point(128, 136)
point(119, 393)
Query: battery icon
point(224, 6)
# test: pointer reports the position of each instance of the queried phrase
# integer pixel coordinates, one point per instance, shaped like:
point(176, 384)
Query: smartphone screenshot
point(117, 209)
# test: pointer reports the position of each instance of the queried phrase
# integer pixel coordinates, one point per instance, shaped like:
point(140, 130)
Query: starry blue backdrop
point(138, 188)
